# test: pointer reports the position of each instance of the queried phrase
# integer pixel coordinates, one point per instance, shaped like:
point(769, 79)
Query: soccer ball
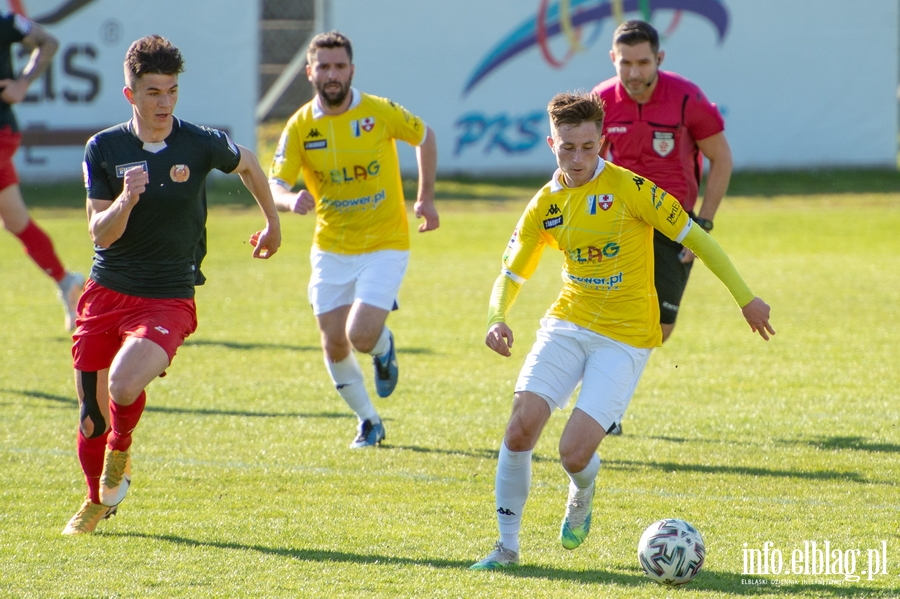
point(671, 551)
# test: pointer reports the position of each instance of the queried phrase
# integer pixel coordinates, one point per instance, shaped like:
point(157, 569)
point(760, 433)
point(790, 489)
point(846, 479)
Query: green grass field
point(244, 486)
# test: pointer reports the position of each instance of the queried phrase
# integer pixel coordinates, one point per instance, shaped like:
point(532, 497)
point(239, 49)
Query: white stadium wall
point(82, 92)
point(802, 83)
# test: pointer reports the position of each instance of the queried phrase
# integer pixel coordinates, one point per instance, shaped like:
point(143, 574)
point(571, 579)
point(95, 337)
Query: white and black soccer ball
point(671, 551)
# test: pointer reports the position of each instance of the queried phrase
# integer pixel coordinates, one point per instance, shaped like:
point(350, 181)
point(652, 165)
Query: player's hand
point(303, 203)
point(757, 315)
point(500, 339)
point(687, 256)
point(14, 90)
point(136, 180)
point(429, 212)
point(265, 243)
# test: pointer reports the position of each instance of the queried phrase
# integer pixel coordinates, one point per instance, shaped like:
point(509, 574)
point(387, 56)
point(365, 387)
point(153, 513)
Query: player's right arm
point(107, 219)
point(519, 262)
point(286, 200)
point(284, 172)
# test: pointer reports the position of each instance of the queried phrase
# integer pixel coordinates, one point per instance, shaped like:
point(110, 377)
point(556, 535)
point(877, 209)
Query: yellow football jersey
point(349, 164)
point(605, 230)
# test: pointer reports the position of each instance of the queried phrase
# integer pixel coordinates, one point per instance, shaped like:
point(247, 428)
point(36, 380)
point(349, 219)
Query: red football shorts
point(106, 318)
point(9, 143)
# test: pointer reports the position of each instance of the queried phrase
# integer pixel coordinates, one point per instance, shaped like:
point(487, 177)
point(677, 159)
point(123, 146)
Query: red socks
point(90, 454)
point(123, 420)
point(40, 248)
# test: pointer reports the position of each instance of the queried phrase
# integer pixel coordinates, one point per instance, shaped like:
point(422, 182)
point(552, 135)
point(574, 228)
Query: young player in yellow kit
point(602, 327)
point(343, 141)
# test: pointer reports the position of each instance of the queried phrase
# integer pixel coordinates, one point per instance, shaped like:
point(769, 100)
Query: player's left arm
point(43, 46)
point(254, 179)
point(426, 156)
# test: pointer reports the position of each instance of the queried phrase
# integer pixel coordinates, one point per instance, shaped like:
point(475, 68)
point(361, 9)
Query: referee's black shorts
point(671, 276)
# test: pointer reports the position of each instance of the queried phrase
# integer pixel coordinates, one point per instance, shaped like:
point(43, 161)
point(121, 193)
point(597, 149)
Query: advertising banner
point(81, 93)
point(801, 84)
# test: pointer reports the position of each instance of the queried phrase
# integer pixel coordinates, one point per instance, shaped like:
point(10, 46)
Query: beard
point(333, 98)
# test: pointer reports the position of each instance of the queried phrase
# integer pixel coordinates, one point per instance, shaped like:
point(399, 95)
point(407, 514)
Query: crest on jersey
point(663, 142)
point(604, 202)
point(358, 126)
point(180, 173)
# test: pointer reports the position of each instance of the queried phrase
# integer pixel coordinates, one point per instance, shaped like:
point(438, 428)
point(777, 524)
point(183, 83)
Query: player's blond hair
point(575, 108)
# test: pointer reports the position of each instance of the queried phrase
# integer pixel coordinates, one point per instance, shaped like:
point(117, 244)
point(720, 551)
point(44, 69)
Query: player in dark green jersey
point(146, 204)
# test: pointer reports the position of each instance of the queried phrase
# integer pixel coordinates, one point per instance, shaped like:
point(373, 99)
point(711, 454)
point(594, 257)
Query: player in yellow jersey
point(602, 327)
point(343, 142)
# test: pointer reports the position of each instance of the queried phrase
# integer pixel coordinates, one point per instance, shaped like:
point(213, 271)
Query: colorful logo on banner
point(569, 17)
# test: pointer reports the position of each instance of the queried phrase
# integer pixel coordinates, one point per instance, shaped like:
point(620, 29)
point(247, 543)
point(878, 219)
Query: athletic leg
point(347, 376)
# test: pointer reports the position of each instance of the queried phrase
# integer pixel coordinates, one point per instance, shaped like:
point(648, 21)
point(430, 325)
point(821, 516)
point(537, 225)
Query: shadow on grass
point(858, 443)
point(245, 345)
point(71, 401)
point(712, 581)
point(738, 470)
point(481, 454)
point(240, 345)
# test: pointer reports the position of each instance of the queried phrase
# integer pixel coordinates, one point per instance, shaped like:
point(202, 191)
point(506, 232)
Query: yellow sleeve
point(288, 160)
point(503, 296)
point(715, 258)
point(522, 255)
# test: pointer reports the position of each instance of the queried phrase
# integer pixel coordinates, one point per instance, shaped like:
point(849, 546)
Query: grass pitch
point(244, 486)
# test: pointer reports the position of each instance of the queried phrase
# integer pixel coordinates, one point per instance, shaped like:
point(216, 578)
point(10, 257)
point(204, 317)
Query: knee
point(123, 391)
point(362, 341)
point(573, 457)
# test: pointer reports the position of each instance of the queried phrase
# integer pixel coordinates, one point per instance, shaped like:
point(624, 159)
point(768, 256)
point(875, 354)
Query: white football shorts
point(339, 280)
point(566, 354)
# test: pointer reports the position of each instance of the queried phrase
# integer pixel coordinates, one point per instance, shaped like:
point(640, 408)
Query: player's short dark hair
point(152, 54)
point(575, 108)
point(634, 32)
point(329, 39)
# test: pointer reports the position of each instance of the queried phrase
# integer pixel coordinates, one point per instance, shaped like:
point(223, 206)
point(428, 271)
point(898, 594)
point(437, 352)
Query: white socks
point(383, 344)
point(348, 380)
point(583, 480)
point(511, 490)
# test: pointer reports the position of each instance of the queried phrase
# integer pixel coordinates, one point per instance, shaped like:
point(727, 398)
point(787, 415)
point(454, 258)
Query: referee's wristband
point(705, 224)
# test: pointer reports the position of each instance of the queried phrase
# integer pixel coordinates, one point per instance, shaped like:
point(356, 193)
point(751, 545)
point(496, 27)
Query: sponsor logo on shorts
point(162, 330)
point(319, 144)
point(180, 173)
point(611, 282)
point(121, 169)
